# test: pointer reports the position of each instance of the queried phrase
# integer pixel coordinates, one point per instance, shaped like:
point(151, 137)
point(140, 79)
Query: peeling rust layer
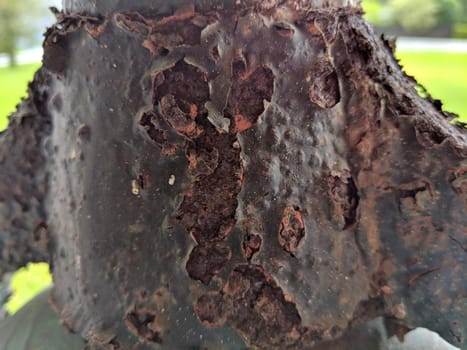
point(56, 51)
point(161, 36)
point(269, 166)
point(292, 229)
point(251, 245)
point(207, 260)
point(247, 95)
point(324, 84)
point(345, 196)
point(208, 209)
point(141, 322)
point(255, 306)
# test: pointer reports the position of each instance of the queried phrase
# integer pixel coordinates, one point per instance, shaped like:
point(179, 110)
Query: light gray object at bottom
point(420, 339)
point(37, 327)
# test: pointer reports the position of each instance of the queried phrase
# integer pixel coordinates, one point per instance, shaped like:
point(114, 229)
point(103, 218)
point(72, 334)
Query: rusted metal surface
point(248, 175)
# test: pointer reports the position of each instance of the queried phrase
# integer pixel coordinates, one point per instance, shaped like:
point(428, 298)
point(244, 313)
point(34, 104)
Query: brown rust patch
point(142, 322)
point(241, 123)
point(345, 197)
point(458, 180)
point(182, 28)
point(202, 161)
point(251, 245)
point(324, 84)
point(132, 22)
point(210, 310)
point(249, 90)
point(316, 36)
point(327, 25)
point(214, 53)
point(177, 118)
point(149, 316)
point(186, 84)
point(292, 229)
point(254, 305)
point(158, 131)
point(206, 261)
point(207, 211)
point(259, 310)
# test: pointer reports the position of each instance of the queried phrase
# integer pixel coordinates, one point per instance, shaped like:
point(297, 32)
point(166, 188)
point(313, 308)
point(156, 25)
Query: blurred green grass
point(444, 75)
point(13, 86)
point(26, 283)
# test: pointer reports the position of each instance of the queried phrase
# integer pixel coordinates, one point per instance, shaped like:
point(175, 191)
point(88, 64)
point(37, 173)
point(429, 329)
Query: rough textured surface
point(24, 170)
point(246, 175)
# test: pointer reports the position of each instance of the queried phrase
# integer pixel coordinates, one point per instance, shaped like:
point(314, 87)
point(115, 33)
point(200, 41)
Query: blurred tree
point(415, 15)
point(377, 12)
point(20, 21)
point(449, 11)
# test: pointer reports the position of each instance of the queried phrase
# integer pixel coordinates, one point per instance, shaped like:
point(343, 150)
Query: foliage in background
point(460, 31)
point(377, 13)
point(26, 283)
point(449, 11)
point(415, 15)
point(20, 23)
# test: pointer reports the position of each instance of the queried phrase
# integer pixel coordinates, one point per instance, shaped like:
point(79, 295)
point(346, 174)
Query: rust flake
point(255, 306)
point(250, 88)
point(292, 229)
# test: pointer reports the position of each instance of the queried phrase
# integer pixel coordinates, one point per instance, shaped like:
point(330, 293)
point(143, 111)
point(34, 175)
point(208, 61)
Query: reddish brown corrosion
point(345, 197)
point(153, 128)
point(183, 28)
point(382, 164)
point(459, 180)
point(158, 131)
point(324, 85)
point(209, 218)
point(249, 91)
point(148, 318)
point(292, 229)
point(206, 261)
point(208, 209)
point(251, 244)
point(210, 309)
point(253, 303)
point(142, 322)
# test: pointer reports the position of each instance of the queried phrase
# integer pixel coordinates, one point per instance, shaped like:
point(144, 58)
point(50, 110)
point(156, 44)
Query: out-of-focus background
point(432, 46)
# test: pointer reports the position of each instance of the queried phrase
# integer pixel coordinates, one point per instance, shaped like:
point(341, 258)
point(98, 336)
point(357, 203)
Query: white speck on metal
point(172, 180)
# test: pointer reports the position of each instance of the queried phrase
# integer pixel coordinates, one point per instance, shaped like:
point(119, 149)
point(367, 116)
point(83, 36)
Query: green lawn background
point(13, 86)
point(444, 75)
